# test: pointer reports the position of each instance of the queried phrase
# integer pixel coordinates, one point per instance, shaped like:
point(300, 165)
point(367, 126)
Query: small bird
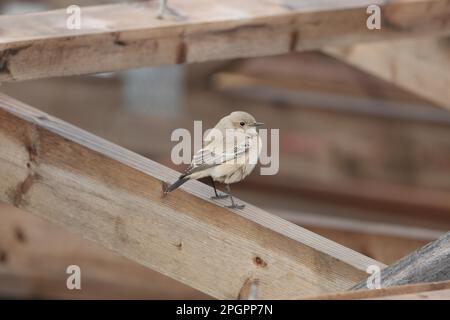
point(229, 154)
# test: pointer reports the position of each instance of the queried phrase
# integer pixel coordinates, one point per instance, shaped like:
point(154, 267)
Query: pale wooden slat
point(122, 36)
point(421, 66)
point(37, 254)
point(113, 196)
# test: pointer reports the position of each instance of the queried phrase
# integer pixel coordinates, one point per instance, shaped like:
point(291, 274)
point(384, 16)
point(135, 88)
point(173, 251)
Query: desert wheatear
point(229, 154)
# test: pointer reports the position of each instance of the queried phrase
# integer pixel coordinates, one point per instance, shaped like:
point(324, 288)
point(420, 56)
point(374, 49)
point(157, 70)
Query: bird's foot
point(170, 14)
point(164, 187)
point(219, 197)
point(236, 206)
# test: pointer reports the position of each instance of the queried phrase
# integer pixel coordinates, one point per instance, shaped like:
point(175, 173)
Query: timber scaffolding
point(52, 169)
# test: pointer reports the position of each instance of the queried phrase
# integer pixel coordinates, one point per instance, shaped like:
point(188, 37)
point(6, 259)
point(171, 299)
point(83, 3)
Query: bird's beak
point(257, 124)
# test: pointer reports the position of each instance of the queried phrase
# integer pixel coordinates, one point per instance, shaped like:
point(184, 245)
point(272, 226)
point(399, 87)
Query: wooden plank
point(389, 293)
point(326, 83)
point(421, 66)
point(313, 72)
point(430, 263)
point(114, 197)
point(37, 254)
point(123, 36)
point(25, 238)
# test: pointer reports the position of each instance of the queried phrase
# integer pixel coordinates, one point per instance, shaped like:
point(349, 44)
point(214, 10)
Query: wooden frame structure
point(51, 168)
point(122, 36)
point(405, 64)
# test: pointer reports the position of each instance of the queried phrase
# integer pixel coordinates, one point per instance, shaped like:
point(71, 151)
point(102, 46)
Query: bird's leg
point(162, 8)
point(217, 196)
point(233, 204)
point(166, 12)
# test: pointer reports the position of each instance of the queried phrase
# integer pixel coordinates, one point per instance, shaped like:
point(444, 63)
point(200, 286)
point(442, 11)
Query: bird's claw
point(168, 13)
point(236, 206)
point(178, 18)
point(219, 197)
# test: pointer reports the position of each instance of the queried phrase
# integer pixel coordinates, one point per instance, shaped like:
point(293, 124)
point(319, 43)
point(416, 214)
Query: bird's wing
point(217, 153)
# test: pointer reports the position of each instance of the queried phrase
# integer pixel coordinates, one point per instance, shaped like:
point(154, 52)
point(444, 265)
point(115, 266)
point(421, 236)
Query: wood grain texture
point(421, 289)
point(430, 263)
point(123, 36)
point(314, 72)
point(38, 253)
point(421, 66)
point(114, 197)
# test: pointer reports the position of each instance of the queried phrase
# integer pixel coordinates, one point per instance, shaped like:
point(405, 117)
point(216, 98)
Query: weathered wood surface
point(413, 291)
point(428, 264)
point(421, 66)
point(123, 36)
point(37, 253)
point(114, 197)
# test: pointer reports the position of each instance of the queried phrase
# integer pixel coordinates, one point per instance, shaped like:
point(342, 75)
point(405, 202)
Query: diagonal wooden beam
point(430, 263)
point(113, 196)
point(421, 66)
point(122, 36)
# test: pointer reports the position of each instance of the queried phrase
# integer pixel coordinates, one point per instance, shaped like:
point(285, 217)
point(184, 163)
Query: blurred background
point(362, 162)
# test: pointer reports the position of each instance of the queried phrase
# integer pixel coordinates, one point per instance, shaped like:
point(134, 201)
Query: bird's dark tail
point(176, 184)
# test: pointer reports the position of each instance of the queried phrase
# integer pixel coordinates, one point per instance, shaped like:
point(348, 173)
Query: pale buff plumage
point(229, 154)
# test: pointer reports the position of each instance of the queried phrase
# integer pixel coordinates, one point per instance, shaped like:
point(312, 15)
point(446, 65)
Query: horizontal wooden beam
point(421, 66)
point(430, 263)
point(122, 36)
point(114, 197)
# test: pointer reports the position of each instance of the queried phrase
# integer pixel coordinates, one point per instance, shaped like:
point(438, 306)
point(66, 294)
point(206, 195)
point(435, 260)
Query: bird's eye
point(242, 123)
